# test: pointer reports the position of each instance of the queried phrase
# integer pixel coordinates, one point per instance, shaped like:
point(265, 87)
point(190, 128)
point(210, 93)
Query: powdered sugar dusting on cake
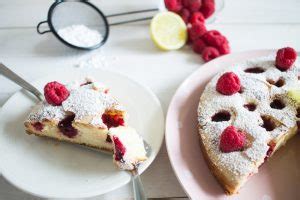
point(86, 102)
point(97, 121)
point(43, 110)
point(259, 89)
point(237, 163)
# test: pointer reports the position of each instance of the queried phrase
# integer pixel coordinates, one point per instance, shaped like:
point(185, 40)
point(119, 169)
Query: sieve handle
point(38, 28)
point(130, 21)
point(130, 13)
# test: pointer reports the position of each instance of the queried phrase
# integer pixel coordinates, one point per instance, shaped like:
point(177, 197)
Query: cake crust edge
point(227, 185)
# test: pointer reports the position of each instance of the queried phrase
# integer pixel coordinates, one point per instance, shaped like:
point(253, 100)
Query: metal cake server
point(5, 71)
point(138, 189)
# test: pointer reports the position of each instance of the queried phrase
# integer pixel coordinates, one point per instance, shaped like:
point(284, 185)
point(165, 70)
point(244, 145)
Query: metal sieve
point(80, 24)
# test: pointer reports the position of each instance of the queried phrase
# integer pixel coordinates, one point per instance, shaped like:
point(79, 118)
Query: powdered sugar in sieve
point(80, 35)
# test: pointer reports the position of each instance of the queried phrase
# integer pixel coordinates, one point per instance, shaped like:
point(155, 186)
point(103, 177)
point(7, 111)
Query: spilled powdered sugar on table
point(82, 36)
point(95, 60)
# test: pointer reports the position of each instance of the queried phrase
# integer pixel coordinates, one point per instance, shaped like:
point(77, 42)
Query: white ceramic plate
point(47, 168)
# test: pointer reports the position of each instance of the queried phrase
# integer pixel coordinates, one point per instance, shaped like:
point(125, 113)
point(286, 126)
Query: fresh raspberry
point(285, 58)
point(55, 93)
point(112, 120)
point(198, 46)
point(224, 48)
point(228, 84)
point(214, 38)
point(192, 5)
point(66, 128)
point(207, 8)
point(173, 5)
point(196, 31)
point(204, 2)
point(185, 15)
point(232, 140)
point(197, 17)
point(38, 126)
point(209, 53)
point(119, 148)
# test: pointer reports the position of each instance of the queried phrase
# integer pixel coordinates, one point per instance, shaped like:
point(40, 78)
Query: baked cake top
point(261, 108)
point(87, 101)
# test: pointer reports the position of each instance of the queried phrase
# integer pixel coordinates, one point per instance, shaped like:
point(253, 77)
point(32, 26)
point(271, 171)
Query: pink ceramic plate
point(279, 178)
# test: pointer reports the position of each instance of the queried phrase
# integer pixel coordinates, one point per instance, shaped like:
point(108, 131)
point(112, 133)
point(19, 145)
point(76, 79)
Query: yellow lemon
point(294, 94)
point(168, 31)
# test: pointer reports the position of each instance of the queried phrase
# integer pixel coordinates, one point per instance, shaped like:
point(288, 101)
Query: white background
point(248, 25)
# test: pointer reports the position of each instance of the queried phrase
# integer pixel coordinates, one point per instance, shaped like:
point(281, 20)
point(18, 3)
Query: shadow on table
point(8, 192)
point(139, 45)
point(51, 46)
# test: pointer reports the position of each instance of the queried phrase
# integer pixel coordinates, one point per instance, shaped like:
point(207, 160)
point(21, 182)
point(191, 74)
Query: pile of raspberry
point(210, 44)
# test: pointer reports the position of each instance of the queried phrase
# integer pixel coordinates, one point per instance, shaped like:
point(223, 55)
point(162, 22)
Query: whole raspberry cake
point(85, 113)
point(247, 113)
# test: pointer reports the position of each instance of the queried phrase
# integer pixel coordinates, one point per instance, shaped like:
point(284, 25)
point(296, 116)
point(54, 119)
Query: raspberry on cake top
point(245, 114)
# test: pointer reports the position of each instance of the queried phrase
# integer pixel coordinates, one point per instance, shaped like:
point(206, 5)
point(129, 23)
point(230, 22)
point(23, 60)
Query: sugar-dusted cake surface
point(134, 147)
point(261, 109)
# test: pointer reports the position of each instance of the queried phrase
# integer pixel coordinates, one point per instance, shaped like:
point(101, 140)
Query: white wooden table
point(247, 24)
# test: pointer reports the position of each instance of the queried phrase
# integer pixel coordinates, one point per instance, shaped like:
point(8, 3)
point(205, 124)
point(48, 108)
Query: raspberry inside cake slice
point(129, 148)
point(81, 113)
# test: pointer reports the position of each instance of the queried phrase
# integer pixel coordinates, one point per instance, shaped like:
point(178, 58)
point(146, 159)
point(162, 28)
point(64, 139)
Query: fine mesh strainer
point(85, 19)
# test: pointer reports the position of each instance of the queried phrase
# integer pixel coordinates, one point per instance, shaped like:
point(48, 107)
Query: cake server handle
point(5, 71)
point(138, 189)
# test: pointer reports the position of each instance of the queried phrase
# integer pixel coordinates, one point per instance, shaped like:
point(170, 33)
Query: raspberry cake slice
point(129, 148)
point(246, 114)
point(83, 114)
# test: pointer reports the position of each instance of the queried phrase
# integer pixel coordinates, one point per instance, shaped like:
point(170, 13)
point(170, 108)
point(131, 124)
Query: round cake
point(245, 114)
